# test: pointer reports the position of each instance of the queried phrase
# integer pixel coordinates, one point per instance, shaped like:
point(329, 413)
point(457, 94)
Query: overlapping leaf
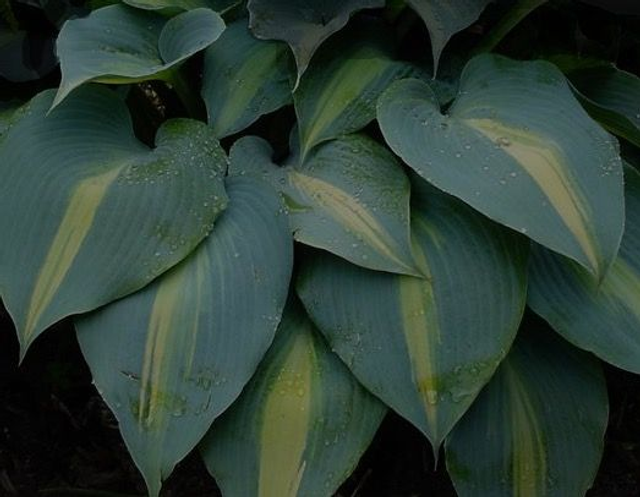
point(602, 317)
point(407, 339)
point(300, 426)
point(244, 78)
point(350, 197)
point(611, 96)
point(444, 19)
point(172, 357)
point(519, 148)
point(338, 94)
point(537, 428)
point(91, 213)
point(303, 25)
point(120, 44)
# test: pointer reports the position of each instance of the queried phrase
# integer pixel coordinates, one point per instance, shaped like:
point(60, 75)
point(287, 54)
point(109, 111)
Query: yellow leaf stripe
point(285, 422)
point(346, 85)
point(529, 461)
point(247, 84)
point(72, 231)
point(172, 339)
point(347, 211)
point(543, 160)
point(422, 334)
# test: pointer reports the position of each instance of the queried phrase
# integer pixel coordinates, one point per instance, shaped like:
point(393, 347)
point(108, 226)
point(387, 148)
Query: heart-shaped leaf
point(519, 148)
point(173, 356)
point(299, 427)
point(350, 197)
point(244, 78)
point(602, 317)
point(303, 25)
point(538, 426)
point(94, 214)
point(444, 19)
point(120, 44)
point(407, 339)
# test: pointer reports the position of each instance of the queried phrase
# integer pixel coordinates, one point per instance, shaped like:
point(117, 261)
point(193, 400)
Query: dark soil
point(57, 437)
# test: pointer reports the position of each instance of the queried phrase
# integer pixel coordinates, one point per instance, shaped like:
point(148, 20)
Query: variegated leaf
point(407, 339)
point(519, 148)
point(299, 427)
point(173, 356)
point(92, 213)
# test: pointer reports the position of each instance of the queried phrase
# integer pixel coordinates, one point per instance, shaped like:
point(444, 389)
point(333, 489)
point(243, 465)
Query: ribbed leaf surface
point(300, 426)
point(537, 428)
point(602, 317)
point(409, 340)
point(519, 148)
point(120, 44)
point(92, 213)
point(172, 357)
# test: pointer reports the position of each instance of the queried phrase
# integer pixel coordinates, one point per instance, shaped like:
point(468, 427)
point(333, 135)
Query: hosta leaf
point(604, 317)
point(217, 5)
point(120, 44)
point(338, 94)
point(172, 357)
point(425, 346)
point(244, 78)
point(299, 427)
point(518, 147)
point(95, 214)
point(444, 19)
point(350, 197)
point(537, 428)
point(611, 96)
point(303, 25)
point(7, 110)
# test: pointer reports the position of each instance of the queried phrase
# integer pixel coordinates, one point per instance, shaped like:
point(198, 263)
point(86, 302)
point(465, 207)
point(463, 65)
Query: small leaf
point(338, 94)
point(350, 197)
point(444, 19)
point(601, 317)
point(244, 78)
point(300, 426)
point(303, 25)
point(119, 44)
point(95, 214)
point(612, 97)
point(172, 357)
point(409, 340)
point(518, 147)
point(537, 428)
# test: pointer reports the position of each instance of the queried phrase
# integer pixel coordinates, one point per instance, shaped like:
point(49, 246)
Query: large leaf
point(350, 197)
point(92, 214)
point(519, 148)
point(303, 25)
point(25, 56)
point(217, 5)
point(338, 94)
point(120, 44)
point(602, 317)
point(299, 427)
point(172, 357)
point(537, 428)
point(612, 97)
point(444, 19)
point(425, 346)
point(244, 78)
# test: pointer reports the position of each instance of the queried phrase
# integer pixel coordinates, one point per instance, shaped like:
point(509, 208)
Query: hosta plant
point(273, 222)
